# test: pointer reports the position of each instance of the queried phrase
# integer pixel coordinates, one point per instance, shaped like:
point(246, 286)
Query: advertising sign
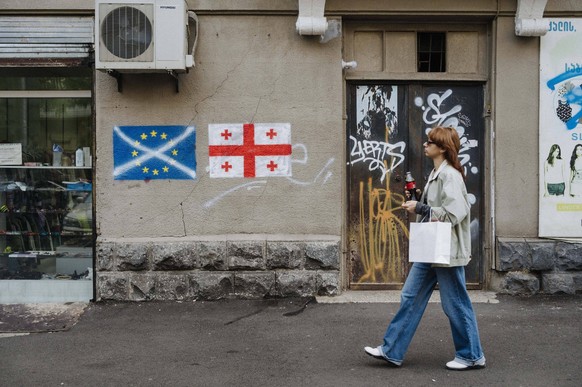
point(560, 130)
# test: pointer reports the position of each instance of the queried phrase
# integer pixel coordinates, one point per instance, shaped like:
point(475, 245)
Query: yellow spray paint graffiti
point(381, 234)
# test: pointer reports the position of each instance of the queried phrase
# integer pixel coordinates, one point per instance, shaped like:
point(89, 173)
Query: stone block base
point(181, 269)
point(532, 266)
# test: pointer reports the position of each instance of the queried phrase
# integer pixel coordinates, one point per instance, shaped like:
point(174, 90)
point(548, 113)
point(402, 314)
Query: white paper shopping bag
point(430, 242)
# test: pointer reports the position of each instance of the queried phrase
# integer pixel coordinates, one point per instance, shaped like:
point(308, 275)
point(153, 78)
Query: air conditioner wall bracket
point(119, 77)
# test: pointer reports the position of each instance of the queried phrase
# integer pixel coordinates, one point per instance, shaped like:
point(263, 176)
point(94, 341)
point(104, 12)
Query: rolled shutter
point(45, 40)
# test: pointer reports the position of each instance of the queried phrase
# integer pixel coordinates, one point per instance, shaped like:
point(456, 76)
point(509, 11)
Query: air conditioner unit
point(142, 36)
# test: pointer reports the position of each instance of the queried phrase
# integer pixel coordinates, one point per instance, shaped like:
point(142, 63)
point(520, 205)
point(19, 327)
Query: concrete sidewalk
point(533, 341)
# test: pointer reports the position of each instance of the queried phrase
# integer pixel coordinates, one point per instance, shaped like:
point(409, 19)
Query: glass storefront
point(46, 185)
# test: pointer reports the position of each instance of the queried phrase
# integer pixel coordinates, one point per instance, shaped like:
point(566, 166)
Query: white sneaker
point(376, 353)
point(456, 366)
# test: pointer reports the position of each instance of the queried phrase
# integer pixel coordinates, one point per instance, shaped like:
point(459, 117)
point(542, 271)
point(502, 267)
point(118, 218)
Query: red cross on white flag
point(249, 150)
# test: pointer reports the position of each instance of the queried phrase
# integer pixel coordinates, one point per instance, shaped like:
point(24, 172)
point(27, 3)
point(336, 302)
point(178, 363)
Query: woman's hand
point(410, 206)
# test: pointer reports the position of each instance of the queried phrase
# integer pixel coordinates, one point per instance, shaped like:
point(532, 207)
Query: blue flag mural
point(154, 152)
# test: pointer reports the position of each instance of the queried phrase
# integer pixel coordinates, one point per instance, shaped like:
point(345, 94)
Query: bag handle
point(429, 217)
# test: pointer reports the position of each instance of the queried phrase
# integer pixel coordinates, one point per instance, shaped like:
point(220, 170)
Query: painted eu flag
point(154, 152)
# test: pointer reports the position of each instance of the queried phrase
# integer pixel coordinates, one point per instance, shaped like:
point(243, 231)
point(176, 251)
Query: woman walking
point(445, 197)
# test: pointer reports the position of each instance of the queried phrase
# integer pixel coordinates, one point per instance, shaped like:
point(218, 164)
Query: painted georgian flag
point(154, 152)
point(249, 150)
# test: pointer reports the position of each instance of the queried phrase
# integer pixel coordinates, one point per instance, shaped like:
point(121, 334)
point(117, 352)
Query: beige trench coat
point(446, 194)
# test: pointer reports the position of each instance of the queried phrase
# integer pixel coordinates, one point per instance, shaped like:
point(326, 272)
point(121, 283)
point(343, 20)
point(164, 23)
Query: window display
point(46, 179)
point(46, 229)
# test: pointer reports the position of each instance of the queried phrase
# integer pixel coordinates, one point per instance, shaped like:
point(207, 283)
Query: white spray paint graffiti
point(303, 161)
point(434, 102)
point(322, 177)
point(432, 115)
point(248, 186)
point(374, 153)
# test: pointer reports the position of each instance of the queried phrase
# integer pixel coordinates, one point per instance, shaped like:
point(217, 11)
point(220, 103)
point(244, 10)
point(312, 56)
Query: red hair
point(448, 139)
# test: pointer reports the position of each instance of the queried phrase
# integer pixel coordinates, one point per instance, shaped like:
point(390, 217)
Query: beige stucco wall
point(248, 69)
point(516, 132)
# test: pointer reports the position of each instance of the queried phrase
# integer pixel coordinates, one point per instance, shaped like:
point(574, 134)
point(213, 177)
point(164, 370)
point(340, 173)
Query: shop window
point(46, 206)
point(431, 52)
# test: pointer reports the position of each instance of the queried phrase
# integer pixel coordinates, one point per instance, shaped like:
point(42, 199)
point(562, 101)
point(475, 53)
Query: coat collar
point(434, 174)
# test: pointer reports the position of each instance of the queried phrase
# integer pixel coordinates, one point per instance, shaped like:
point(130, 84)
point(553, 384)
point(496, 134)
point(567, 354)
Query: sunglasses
point(429, 142)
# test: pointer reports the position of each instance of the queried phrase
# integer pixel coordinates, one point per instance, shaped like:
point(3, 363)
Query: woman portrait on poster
point(554, 174)
point(576, 171)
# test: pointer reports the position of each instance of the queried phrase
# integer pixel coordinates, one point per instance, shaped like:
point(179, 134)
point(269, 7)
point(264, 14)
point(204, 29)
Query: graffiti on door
point(376, 150)
point(376, 153)
point(438, 113)
point(388, 126)
point(460, 107)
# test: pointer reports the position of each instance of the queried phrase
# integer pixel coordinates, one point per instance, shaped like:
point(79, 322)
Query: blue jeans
point(456, 304)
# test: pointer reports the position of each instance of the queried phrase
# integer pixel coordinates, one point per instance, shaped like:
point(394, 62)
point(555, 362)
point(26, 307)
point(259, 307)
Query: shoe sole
point(383, 358)
point(468, 368)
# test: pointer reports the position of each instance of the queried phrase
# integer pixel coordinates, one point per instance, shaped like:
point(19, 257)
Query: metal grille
point(431, 51)
point(126, 32)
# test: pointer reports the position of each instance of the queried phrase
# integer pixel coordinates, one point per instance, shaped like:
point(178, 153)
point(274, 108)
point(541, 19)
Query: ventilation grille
point(126, 33)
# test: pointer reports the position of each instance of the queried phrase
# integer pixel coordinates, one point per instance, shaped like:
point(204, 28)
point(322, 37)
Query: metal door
point(387, 125)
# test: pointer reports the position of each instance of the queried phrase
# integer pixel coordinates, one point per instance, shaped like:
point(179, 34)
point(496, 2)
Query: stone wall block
point(569, 256)
point(105, 256)
point(172, 287)
point(132, 256)
point(212, 255)
point(284, 255)
point(295, 283)
point(513, 255)
point(253, 285)
point(211, 285)
point(577, 278)
point(174, 256)
point(322, 255)
point(112, 287)
point(553, 283)
point(246, 255)
point(327, 283)
point(542, 255)
point(142, 287)
point(521, 283)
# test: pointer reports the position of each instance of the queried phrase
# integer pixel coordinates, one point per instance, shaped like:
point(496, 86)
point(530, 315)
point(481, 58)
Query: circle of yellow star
point(134, 153)
point(165, 169)
point(164, 136)
point(144, 136)
point(136, 142)
point(155, 171)
point(174, 152)
point(145, 169)
point(153, 133)
point(137, 164)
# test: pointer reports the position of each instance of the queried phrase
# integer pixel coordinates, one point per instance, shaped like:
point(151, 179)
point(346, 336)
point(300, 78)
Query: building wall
point(213, 238)
point(249, 68)
point(516, 131)
point(524, 263)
